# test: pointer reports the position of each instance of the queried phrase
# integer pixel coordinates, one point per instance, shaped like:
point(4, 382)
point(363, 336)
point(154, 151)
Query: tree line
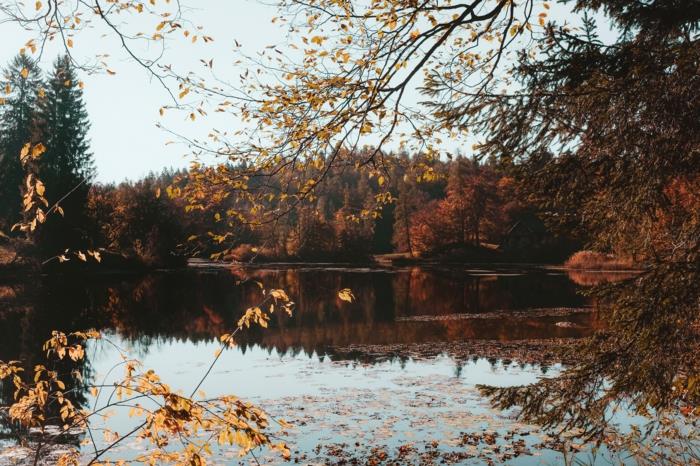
point(435, 207)
point(466, 210)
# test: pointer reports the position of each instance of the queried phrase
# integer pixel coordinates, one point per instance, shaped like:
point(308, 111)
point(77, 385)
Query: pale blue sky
point(124, 107)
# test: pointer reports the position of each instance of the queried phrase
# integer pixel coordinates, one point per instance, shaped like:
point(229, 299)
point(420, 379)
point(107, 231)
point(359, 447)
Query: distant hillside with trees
point(466, 211)
point(418, 207)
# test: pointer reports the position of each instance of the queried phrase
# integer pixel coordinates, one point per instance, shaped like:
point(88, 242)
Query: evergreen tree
point(21, 83)
point(67, 166)
point(609, 135)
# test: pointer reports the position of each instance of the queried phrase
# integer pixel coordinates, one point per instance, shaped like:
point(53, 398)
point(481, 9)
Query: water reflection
point(174, 318)
point(392, 307)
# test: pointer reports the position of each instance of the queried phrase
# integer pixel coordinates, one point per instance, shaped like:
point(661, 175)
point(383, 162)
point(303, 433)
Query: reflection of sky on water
point(262, 373)
point(386, 403)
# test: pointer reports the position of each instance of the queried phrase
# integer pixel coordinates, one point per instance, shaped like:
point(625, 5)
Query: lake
point(391, 376)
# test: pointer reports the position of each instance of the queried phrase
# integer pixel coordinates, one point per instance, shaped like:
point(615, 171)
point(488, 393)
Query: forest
point(463, 208)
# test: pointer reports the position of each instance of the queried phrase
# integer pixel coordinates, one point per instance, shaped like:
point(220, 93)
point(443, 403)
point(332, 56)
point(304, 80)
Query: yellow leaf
point(24, 73)
point(37, 150)
point(37, 5)
point(279, 294)
point(346, 295)
point(25, 151)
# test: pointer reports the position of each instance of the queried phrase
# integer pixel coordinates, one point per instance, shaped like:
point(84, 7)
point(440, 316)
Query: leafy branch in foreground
point(35, 206)
point(180, 428)
point(346, 80)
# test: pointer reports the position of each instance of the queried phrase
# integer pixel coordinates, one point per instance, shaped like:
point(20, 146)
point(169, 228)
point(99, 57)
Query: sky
point(124, 107)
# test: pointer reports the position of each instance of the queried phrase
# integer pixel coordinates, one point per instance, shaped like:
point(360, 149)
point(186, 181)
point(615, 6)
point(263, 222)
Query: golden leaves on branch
point(255, 315)
point(33, 190)
point(34, 397)
point(166, 416)
point(342, 90)
point(33, 199)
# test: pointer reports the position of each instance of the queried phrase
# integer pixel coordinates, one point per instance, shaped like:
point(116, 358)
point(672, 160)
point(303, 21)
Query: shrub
point(598, 261)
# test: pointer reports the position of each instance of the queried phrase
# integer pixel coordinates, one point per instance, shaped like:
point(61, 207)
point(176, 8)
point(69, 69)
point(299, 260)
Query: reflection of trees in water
point(27, 317)
point(441, 292)
point(646, 358)
point(201, 306)
point(657, 339)
point(593, 278)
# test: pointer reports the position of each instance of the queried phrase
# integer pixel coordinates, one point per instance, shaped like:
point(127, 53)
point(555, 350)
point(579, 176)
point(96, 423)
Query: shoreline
point(14, 271)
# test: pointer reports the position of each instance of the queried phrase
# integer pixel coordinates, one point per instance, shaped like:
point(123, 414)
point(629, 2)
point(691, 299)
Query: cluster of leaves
point(36, 209)
point(34, 191)
point(341, 85)
point(180, 428)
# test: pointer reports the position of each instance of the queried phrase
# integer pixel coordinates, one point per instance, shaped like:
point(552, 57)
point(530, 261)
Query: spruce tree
point(21, 85)
point(67, 166)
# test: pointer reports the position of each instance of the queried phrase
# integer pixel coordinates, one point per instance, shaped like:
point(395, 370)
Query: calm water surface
point(350, 374)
